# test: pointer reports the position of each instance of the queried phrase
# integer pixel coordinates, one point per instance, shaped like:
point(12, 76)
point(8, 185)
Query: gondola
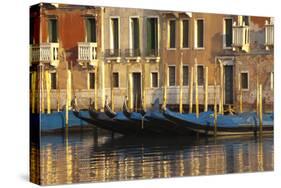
point(133, 119)
point(154, 121)
point(119, 122)
point(92, 118)
point(142, 120)
point(240, 124)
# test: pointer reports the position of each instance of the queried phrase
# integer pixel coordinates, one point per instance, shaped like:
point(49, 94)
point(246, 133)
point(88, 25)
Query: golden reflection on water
point(82, 158)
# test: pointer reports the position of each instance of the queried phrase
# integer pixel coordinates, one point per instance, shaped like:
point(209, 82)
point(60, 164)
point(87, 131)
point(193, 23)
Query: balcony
point(45, 53)
point(132, 55)
point(87, 53)
point(269, 35)
point(241, 39)
point(152, 55)
point(113, 55)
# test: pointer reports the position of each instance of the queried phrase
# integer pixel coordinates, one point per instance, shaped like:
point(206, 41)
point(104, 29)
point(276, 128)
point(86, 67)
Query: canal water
point(94, 156)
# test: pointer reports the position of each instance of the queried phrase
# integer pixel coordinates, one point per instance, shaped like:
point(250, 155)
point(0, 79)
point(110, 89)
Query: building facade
point(143, 55)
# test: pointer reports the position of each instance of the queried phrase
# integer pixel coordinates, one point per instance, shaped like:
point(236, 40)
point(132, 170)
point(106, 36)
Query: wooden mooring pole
point(191, 90)
point(206, 90)
point(58, 92)
point(221, 110)
point(48, 91)
point(111, 88)
point(196, 89)
point(260, 107)
point(181, 83)
point(240, 95)
point(257, 97)
point(68, 96)
point(42, 90)
point(165, 85)
point(215, 108)
point(143, 88)
point(96, 87)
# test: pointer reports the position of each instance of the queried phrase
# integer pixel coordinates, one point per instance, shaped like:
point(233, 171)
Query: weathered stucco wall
point(71, 30)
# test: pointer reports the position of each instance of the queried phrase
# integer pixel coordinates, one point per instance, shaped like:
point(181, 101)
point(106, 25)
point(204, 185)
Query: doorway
point(228, 84)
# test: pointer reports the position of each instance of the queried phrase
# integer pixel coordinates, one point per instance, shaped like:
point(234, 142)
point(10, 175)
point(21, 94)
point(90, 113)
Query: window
point(244, 80)
point(53, 30)
point(91, 29)
point(92, 80)
point(172, 33)
point(31, 30)
point(134, 24)
point(152, 36)
point(199, 33)
point(53, 80)
point(154, 79)
point(185, 75)
point(227, 32)
point(115, 80)
point(172, 75)
point(185, 33)
point(114, 33)
point(246, 20)
point(200, 75)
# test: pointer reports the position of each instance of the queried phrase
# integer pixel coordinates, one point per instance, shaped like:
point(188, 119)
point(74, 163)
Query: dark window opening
point(115, 78)
point(91, 29)
point(246, 20)
point(135, 32)
point(53, 30)
point(31, 30)
point(53, 80)
point(92, 80)
point(172, 31)
point(228, 32)
point(200, 34)
point(185, 33)
point(115, 32)
point(152, 35)
point(185, 75)
point(172, 76)
point(200, 75)
point(244, 80)
point(154, 79)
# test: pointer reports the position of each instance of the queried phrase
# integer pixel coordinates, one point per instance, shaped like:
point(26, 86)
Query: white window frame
point(111, 31)
point(244, 89)
point(168, 34)
point(118, 79)
point(224, 33)
point(195, 34)
point(158, 30)
point(185, 65)
point(130, 32)
point(151, 79)
point(173, 65)
point(181, 34)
